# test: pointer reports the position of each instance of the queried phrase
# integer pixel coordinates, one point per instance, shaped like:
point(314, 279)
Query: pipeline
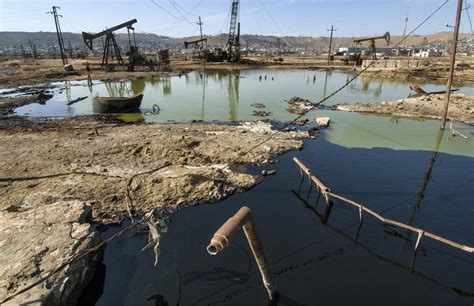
point(222, 238)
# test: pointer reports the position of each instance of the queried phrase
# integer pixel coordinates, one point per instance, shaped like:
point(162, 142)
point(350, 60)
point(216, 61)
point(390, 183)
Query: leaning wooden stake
point(243, 219)
point(451, 67)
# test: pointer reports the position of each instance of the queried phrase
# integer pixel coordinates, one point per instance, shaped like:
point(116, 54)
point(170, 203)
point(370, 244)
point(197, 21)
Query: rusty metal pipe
point(222, 237)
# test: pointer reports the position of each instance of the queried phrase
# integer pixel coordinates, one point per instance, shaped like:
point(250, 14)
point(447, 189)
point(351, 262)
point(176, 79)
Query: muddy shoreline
point(95, 171)
point(50, 70)
point(431, 106)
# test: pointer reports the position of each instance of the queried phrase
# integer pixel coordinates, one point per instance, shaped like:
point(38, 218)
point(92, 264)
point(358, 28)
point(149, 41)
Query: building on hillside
point(426, 53)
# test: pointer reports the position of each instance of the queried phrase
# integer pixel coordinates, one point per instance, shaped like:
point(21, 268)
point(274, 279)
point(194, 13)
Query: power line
point(184, 10)
point(166, 11)
point(179, 12)
point(316, 105)
point(468, 6)
point(275, 23)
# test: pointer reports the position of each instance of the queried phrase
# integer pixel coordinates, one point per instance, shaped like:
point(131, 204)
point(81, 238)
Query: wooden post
point(451, 67)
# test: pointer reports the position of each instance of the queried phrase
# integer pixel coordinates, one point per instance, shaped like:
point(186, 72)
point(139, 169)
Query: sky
point(178, 18)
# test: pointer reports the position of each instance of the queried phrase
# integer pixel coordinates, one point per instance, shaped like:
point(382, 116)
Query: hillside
point(44, 40)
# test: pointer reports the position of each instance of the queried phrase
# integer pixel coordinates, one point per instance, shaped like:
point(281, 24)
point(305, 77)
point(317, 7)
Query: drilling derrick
point(233, 43)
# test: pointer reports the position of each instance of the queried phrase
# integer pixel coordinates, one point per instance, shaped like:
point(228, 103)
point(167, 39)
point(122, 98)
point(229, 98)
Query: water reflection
point(233, 94)
point(117, 89)
point(427, 177)
point(322, 218)
point(138, 86)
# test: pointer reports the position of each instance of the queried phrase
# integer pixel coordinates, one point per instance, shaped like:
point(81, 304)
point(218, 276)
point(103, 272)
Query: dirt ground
point(461, 107)
point(118, 167)
point(54, 173)
point(22, 72)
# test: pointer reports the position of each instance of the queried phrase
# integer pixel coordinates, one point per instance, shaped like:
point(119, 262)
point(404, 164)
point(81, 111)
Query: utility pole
point(33, 51)
point(60, 35)
point(451, 67)
point(404, 32)
point(23, 53)
point(330, 43)
point(200, 29)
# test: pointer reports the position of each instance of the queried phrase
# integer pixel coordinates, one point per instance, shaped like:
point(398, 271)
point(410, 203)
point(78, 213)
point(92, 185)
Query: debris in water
point(258, 105)
point(268, 172)
point(76, 100)
point(322, 122)
point(157, 224)
point(261, 113)
point(299, 105)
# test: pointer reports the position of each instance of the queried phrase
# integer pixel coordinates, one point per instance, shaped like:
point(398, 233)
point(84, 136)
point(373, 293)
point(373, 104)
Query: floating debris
point(322, 122)
point(261, 113)
point(302, 122)
point(299, 105)
point(268, 172)
point(258, 105)
point(76, 100)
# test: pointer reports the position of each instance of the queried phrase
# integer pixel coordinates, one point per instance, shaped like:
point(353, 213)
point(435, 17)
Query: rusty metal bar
point(421, 233)
point(222, 237)
point(324, 189)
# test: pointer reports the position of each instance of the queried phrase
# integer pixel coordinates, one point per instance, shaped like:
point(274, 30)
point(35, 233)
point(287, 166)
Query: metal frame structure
point(111, 47)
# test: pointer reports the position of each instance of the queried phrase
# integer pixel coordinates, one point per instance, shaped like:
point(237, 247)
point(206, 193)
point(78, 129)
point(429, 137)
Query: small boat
point(117, 105)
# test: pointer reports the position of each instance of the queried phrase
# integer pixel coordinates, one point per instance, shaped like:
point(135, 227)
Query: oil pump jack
point(111, 49)
point(371, 50)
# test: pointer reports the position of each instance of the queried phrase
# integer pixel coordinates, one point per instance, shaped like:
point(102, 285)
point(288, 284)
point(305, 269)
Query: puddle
point(225, 95)
point(313, 263)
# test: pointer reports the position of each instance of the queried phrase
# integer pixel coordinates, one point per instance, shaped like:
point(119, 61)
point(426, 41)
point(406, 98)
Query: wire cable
point(179, 12)
point(166, 11)
point(317, 104)
point(174, 3)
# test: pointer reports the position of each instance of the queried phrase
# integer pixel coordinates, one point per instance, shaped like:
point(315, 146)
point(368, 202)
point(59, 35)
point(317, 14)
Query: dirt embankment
point(425, 75)
point(54, 173)
point(461, 107)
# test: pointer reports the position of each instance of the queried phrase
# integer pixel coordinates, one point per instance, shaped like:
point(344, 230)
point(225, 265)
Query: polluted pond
point(302, 249)
point(146, 184)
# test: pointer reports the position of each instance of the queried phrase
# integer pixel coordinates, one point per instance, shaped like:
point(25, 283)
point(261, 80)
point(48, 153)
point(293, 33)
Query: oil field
point(160, 153)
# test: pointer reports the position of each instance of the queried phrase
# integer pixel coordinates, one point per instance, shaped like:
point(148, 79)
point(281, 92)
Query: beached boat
point(117, 105)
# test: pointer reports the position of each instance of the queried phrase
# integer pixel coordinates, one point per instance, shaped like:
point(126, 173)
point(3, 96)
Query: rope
point(317, 104)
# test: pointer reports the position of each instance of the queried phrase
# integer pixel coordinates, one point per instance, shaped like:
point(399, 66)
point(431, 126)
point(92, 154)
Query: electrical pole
point(200, 29)
point(33, 51)
point(23, 53)
point(330, 43)
point(60, 35)
point(451, 67)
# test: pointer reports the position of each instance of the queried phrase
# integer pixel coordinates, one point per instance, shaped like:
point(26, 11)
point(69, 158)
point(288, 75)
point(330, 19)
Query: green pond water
point(228, 95)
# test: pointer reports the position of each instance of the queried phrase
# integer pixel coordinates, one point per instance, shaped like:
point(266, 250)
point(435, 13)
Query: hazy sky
point(178, 17)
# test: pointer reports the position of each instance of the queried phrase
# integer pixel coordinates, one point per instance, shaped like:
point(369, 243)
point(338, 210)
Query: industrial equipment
point(198, 45)
point(111, 48)
point(371, 50)
point(233, 43)
point(195, 43)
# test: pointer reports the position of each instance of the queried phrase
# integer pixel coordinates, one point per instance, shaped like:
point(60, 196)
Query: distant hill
point(45, 40)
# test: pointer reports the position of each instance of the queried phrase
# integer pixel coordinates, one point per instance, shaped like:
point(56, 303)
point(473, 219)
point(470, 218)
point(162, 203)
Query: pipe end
point(212, 249)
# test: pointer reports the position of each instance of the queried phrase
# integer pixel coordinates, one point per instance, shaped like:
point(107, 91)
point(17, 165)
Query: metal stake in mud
point(243, 219)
